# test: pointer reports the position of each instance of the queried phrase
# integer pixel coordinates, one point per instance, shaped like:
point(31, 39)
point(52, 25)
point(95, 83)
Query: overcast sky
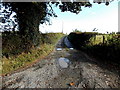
point(102, 17)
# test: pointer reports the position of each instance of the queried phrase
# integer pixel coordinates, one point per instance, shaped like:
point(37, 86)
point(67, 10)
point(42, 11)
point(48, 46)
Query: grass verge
point(15, 62)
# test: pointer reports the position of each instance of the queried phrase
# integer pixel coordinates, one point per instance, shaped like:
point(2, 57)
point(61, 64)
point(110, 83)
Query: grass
point(24, 59)
point(14, 62)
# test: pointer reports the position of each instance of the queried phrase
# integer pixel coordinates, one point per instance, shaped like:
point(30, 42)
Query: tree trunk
point(29, 20)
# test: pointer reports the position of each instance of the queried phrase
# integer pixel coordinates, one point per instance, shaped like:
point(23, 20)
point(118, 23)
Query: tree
point(30, 14)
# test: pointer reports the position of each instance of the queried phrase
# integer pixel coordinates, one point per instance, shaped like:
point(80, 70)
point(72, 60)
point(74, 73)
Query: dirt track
point(83, 71)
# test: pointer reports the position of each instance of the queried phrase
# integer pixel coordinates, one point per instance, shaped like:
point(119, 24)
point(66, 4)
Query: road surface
point(83, 72)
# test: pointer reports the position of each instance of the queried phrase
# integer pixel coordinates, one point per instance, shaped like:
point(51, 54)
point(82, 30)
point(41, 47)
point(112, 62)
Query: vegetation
point(105, 47)
point(25, 45)
point(14, 56)
point(82, 39)
point(30, 14)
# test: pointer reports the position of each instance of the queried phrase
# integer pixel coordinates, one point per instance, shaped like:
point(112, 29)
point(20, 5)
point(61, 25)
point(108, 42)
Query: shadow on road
point(77, 55)
point(83, 57)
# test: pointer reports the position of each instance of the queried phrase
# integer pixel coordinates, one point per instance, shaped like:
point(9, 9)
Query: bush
point(12, 44)
point(14, 56)
point(107, 49)
point(80, 39)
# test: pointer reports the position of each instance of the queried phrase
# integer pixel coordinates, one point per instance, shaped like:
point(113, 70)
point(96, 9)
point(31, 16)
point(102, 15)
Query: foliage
point(28, 17)
point(12, 44)
point(15, 61)
point(30, 14)
point(107, 52)
point(76, 30)
point(43, 9)
point(81, 38)
point(107, 49)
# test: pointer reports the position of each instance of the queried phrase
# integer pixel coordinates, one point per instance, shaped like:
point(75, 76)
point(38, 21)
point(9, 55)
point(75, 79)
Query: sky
point(99, 16)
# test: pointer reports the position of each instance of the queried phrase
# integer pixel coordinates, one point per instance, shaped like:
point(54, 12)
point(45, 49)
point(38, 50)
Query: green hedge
point(79, 39)
point(12, 43)
point(107, 49)
point(14, 56)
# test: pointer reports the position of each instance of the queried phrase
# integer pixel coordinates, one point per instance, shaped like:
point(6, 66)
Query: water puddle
point(71, 48)
point(63, 62)
point(58, 49)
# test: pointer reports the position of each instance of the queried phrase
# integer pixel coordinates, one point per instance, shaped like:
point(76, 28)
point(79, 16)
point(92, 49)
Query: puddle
point(58, 49)
point(68, 43)
point(63, 62)
point(71, 48)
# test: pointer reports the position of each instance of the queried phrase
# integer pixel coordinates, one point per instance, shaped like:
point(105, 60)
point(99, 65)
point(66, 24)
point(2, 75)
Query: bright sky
point(100, 16)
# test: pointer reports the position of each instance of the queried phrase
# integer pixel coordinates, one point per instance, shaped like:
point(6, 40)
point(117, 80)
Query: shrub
point(14, 56)
point(80, 39)
point(107, 49)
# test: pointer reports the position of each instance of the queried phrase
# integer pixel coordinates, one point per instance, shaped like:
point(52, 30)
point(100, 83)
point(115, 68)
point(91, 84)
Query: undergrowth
point(14, 57)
